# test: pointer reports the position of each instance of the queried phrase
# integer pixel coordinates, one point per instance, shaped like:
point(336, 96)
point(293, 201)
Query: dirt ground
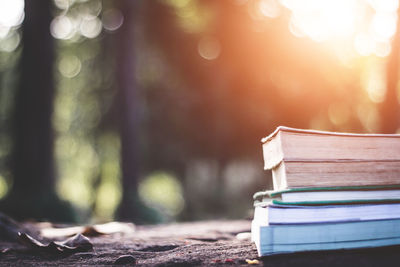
point(209, 243)
point(200, 243)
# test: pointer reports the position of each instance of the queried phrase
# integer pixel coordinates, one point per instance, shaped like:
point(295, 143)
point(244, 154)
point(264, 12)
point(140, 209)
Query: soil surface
point(190, 244)
point(199, 243)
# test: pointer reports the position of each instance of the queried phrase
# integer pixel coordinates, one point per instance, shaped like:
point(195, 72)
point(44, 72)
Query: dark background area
point(153, 111)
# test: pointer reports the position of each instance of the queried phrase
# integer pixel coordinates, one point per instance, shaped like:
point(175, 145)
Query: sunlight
point(322, 20)
point(363, 43)
point(384, 5)
point(369, 25)
point(374, 80)
point(269, 8)
point(384, 25)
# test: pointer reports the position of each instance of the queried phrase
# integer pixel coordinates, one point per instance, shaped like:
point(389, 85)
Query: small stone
point(243, 236)
point(125, 259)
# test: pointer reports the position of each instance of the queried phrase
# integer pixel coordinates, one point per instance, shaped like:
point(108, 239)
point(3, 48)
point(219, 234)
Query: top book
point(297, 145)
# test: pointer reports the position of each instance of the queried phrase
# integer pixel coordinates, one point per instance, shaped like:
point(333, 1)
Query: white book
point(348, 195)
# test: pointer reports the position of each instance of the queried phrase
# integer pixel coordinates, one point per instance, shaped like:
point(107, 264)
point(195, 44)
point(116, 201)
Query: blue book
point(275, 239)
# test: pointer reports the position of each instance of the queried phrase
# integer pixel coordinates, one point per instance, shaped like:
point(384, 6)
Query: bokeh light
point(112, 19)
point(384, 25)
point(78, 19)
point(90, 27)
point(62, 4)
point(162, 191)
point(374, 80)
point(193, 17)
point(11, 12)
point(270, 8)
point(11, 42)
point(209, 48)
point(69, 66)
point(62, 27)
point(11, 16)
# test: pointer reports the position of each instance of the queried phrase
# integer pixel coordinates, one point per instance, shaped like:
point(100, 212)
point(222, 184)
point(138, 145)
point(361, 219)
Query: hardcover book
point(308, 158)
point(277, 239)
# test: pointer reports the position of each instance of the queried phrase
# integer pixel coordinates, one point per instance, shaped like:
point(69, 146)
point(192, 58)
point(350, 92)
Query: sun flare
point(369, 25)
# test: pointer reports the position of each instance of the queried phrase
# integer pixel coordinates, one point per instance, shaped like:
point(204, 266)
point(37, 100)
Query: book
point(308, 158)
point(287, 143)
point(276, 239)
point(331, 195)
point(295, 214)
point(293, 174)
point(266, 250)
point(331, 191)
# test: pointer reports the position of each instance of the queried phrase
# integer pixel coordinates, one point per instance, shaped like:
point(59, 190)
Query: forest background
point(153, 111)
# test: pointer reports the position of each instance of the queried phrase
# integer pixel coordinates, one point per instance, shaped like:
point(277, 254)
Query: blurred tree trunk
point(390, 109)
point(128, 111)
point(33, 190)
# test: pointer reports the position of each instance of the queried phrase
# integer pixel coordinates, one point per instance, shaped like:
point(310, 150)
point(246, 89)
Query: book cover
point(273, 239)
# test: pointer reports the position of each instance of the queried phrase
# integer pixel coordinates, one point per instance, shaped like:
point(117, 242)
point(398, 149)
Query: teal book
point(331, 195)
point(275, 239)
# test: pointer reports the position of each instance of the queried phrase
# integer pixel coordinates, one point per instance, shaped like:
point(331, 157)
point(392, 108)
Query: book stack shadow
point(330, 191)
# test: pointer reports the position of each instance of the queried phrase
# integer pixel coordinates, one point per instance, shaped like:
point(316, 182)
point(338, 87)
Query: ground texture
point(209, 243)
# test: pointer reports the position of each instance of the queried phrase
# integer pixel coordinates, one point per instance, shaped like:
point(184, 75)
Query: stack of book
point(331, 191)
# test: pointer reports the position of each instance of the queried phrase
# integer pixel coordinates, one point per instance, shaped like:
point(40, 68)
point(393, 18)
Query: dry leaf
point(77, 243)
point(91, 230)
